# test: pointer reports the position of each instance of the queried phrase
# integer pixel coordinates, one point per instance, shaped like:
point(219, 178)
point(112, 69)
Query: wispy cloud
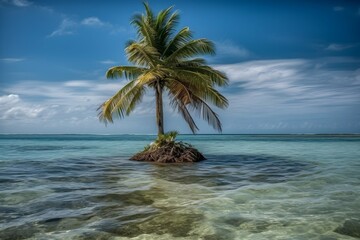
point(12, 60)
point(80, 94)
point(57, 101)
point(93, 21)
point(292, 84)
point(9, 99)
point(88, 90)
point(277, 74)
point(67, 27)
point(67, 105)
point(78, 83)
point(338, 8)
point(70, 26)
point(286, 93)
point(18, 3)
point(338, 47)
point(108, 62)
point(26, 3)
point(263, 95)
point(21, 3)
point(229, 49)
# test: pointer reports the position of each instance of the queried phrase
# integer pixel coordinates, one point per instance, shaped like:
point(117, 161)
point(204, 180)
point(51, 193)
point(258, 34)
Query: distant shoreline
point(189, 134)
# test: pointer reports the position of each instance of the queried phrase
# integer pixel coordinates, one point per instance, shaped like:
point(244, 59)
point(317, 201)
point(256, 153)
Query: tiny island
point(167, 61)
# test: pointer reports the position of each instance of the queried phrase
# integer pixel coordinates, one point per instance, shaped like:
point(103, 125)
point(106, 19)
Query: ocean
point(250, 187)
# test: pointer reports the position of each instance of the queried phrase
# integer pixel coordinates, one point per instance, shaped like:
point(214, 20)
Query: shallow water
point(250, 187)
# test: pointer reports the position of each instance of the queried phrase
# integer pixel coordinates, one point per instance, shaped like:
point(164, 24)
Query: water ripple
point(228, 196)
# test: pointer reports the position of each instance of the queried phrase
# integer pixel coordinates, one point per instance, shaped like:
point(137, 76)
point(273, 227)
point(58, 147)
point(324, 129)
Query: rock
point(171, 152)
point(350, 228)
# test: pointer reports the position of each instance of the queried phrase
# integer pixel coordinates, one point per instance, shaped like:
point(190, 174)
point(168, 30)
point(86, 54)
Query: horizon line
point(151, 134)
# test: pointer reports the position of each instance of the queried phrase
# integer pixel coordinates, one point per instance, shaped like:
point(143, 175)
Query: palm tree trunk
point(159, 109)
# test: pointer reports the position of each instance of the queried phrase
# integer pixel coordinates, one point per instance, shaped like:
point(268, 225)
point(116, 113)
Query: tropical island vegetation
point(167, 61)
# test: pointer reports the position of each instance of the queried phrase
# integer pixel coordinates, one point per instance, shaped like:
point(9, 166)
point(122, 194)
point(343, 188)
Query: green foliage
point(169, 59)
point(166, 138)
point(146, 148)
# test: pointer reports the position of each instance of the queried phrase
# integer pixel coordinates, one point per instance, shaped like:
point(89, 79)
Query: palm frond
point(195, 81)
point(183, 96)
point(122, 102)
point(179, 90)
point(149, 77)
point(215, 97)
point(129, 72)
point(181, 37)
point(137, 98)
point(191, 49)
point(149, 13)
point(137, 22)
point(182, 109)
point(180, 96)
point(162, 32)
point(172, 21)
point(195, 62)
point(162, 18)
point(169, 26)
point(142, 55)
point(214, 76)
point(200, 87)
point(207, 113)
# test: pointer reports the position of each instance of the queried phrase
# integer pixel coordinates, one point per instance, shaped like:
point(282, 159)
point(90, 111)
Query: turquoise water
point(250, 187)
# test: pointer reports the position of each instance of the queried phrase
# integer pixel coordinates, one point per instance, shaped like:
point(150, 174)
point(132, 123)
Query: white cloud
point(227, 48)
point(96, 22)
point(68, 92)
point(289, 86)
point(12, 60)
point(17, 113)
point(338, 8)
point(263, 95)
point(9, 99)
point(66, 106)
point(26, 3)
point(13, 108)
point(92, 21)
point(258, 74)
point(81, 97)
point(67, 27)
point(70, 26)
point(21, 3)
point(107, 62)
point(77, 83)
point(18, 3)
point(338, 47)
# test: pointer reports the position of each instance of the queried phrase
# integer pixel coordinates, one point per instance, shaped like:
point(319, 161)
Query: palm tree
point(167, 61)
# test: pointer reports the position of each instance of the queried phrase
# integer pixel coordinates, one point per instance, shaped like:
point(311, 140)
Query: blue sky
point(294, 66)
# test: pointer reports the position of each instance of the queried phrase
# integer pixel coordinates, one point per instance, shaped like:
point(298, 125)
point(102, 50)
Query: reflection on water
point(234, 196)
